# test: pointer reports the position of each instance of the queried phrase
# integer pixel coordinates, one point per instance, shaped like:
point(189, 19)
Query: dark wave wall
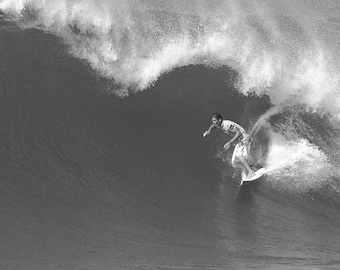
point(93, 181)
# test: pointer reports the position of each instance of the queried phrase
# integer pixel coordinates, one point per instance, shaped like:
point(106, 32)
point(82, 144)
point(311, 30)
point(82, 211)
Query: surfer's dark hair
point(217, 116)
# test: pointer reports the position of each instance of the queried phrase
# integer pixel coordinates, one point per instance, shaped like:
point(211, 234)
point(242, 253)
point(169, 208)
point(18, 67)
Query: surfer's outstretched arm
point(209, 130)
point(216, 123)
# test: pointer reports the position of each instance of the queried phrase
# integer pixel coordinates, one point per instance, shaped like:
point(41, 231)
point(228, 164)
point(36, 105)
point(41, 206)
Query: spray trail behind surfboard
point(297, 149)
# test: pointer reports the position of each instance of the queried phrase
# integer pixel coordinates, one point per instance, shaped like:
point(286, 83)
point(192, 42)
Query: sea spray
point(282, 49)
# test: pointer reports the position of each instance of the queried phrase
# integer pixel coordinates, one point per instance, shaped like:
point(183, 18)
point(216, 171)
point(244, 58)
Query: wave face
point(92, 180)
point(286, 49)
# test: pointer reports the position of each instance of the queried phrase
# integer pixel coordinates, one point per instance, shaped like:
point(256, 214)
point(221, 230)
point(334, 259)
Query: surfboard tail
point(257, 175)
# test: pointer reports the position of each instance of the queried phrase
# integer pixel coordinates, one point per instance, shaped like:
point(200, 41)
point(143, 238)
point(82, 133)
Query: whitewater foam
point(282, 49)
point(297, 165)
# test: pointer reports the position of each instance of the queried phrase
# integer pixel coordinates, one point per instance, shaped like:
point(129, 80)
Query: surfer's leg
point(240, 162)
point(236, 164)
point(246, 166)
point(238, 158)
point(243, 174)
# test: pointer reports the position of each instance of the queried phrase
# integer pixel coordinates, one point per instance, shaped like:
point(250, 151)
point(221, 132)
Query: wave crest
point(278, 49)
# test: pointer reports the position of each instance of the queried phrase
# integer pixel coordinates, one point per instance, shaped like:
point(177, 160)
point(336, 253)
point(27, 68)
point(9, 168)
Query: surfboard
point(257, 175)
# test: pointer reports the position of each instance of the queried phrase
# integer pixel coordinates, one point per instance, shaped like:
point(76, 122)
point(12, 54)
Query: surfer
point(241, 151)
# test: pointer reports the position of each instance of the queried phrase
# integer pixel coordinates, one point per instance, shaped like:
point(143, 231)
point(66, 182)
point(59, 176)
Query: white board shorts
point(241, 150)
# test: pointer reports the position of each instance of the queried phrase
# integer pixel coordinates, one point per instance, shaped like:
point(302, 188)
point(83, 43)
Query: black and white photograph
point(169, 134)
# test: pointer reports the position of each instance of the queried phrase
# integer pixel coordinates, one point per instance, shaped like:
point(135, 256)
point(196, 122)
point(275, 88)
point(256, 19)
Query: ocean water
point(102, 109)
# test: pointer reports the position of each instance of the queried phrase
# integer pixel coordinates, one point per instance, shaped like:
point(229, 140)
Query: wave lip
point(288, 54)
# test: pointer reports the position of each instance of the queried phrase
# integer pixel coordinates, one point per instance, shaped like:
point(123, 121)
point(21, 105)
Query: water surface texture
point(102, 109)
